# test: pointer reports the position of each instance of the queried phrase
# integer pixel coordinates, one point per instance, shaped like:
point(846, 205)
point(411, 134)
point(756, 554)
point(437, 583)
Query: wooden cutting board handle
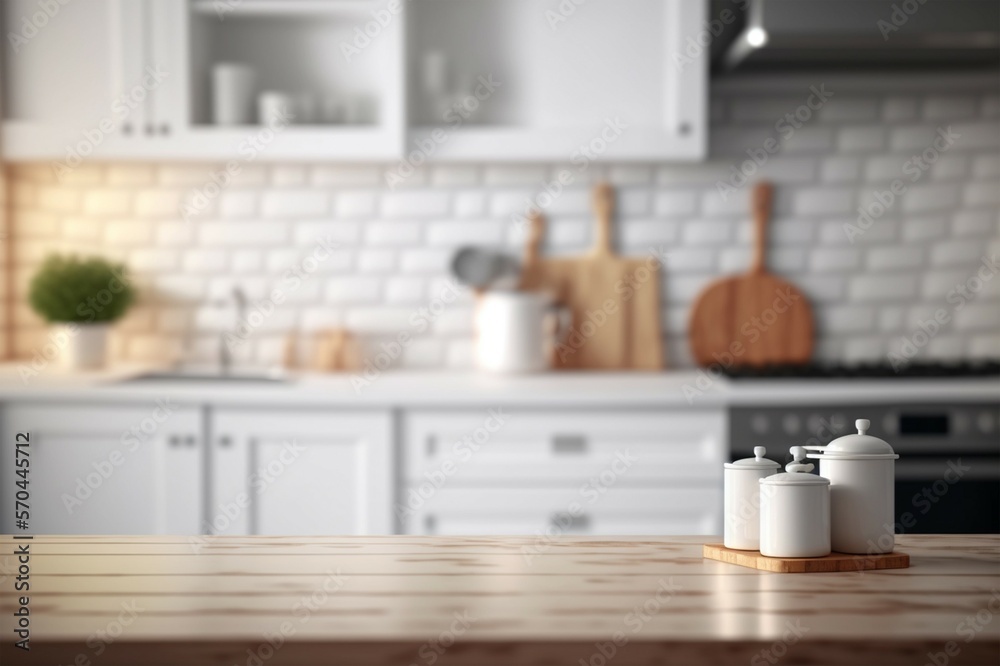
point(763, 193)
point(533, 244)
point(604, 209)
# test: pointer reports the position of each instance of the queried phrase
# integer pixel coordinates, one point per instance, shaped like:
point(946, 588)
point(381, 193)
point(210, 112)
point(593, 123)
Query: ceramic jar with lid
point(795, 511)
point(742, 499)
point(861, 469)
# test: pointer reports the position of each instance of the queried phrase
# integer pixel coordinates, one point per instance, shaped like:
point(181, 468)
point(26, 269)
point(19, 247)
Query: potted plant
point(83, 297)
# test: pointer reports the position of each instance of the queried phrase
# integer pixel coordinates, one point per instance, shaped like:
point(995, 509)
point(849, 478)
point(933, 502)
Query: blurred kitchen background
point(290, 182)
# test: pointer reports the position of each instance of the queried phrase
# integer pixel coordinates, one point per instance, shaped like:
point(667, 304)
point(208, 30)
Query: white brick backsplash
point(884, 287)
point(823, 201)
point(427, 203)
point(836, 260)
point(861, 140)
point(702, 232)
point(949, 108)
point(394, 246)
point(956, 253)
point(299, 203)
point(899, 109)
point(465, 233)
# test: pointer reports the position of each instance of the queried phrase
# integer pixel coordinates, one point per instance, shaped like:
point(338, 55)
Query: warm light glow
point(756, 37)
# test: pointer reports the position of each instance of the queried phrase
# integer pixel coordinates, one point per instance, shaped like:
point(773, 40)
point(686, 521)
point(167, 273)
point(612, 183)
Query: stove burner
point(921, 370)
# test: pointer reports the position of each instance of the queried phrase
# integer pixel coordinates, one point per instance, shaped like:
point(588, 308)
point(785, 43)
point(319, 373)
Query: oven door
point(954, 495)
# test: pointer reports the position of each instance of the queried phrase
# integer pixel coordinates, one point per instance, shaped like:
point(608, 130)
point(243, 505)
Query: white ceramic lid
point(757, 462)
point(797, 473)
point(856, 446)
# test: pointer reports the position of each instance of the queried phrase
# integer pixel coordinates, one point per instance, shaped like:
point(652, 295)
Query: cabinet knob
point(150, 130)
point(565, 521)
point(225, 440)
point(174, 440)
point(164, 129)
point(189, 440)
point(127, 129)
point(430, 524)
point(684, 129)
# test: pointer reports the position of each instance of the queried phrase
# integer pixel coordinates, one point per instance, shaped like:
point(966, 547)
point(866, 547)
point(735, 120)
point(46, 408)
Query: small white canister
point(795, 511)
point(861, 469)
point(741, 481)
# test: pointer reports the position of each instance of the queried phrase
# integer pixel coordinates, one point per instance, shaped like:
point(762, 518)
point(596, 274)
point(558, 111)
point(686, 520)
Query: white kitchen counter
point(448, 389)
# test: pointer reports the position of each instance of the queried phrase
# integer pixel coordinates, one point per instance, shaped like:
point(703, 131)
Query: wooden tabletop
point(486, 601)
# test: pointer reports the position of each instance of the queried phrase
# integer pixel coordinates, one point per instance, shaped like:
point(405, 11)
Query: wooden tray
point(832, 562)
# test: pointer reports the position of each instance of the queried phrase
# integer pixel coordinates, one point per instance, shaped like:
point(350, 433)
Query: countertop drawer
point(615, 511)
point(529, 446)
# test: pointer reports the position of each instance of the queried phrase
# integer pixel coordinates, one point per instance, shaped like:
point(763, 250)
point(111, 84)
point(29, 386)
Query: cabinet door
point(134, 469)
point(300, 472)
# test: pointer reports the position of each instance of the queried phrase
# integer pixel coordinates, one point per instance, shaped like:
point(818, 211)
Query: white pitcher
point(517, 331)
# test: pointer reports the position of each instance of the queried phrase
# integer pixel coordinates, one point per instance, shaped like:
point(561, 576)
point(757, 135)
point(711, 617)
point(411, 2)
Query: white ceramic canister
point(861, 469)
point(795, 511)
point(516, 331)
point(741, 482)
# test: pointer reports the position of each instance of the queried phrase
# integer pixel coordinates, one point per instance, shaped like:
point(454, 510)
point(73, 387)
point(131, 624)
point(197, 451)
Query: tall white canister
point(861, 469)
point(795, 511)
point(741, 483)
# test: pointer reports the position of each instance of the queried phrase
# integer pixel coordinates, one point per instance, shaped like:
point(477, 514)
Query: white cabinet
point(300, 472)
point(92, 79)
point(106, 469)
point(421, 80)
point(515, 470)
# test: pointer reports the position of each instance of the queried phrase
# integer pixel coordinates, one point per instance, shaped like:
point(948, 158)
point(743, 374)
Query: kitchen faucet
point(225, 355)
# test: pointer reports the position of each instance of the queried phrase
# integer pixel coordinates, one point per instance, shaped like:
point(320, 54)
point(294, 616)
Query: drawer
point(529, 446)
point(619, 511)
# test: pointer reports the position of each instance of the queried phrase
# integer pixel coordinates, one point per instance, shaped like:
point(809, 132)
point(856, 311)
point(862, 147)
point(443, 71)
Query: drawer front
point(525, 446)
point(618, 511)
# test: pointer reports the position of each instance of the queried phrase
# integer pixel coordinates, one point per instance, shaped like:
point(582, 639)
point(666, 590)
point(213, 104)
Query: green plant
point(69, 289)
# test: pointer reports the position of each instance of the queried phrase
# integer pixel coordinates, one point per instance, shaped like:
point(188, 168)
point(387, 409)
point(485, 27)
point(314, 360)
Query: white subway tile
point(957, 253)
point(424, 353)
point(205, 261)
point(821, 288)
point(238, 203)
point(683, 289)
point(630, 174)
point(294, 203)
point(128, 232)
point(387, 320)
point(332, 231)
point(376, 261)
point(790, 169)
point(976, 136)
point(714, 203)
point(823, 201)
point(82, 174)
point(505, 175)
point(470, 204)
point(321, 318)
point(847, 319)
point(392, 233)
point(346, 176)
point(674, 202)
point(925, 197)
point(974, 223)
point(895, 258)
point(130, 175)
point(640, 233)
point(632, 202)
point(787, 231)
point(985, 347)
point(809, 140)
point(451, 234)
point(355, 204)
point(848, 109)
point(58, 199)
point(734, 259)
point(884, 287)
point(425, 261)
point(185, 288)
point(355, 289)
point(571, 201)
point(981, 194)
point(36, 225)
point(924, 228)
point(81, 228)
point(861, 140)
point(454, 321)
point(462, 175)
point(899, 109)
point(949, 107)
point(688, 260)
point(427, 203)
point(404, 291)
point(766, 109)
point(866, 349)
point(152, 260)
point(158, 203)
point(288, 175)
point(977, 317)
point(834, 260)
point(247, 261)
point(891, 318)
point(950, 167)
point(986, 166)
point(883, 168)
point(562, 233)
point(939, 283)
point(706, 232)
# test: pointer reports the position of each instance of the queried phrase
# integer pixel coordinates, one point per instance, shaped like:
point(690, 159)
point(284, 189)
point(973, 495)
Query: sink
point(207, 375)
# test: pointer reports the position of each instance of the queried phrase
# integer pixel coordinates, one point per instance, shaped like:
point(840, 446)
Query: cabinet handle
point(431, 445)
point(164, 129)
point(127, 129)
point(430, 524)
point(569, 444)
point(174, 440)
point(150, 130)
point(684, 129)
point(189, 440)
point(566, 521)
point(225, 441)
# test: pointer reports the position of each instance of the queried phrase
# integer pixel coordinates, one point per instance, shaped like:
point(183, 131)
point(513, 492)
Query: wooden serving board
point(754, 319)
point(832, 562)
point(624, 336)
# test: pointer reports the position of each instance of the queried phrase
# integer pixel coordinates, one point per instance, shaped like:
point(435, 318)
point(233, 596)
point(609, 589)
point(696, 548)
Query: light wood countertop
point(488, 600)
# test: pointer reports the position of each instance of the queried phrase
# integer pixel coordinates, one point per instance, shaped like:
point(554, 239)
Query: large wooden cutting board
point(614, 301)
point(753, 319)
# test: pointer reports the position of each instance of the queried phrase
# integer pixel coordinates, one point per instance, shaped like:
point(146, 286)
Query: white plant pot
point(86, 345)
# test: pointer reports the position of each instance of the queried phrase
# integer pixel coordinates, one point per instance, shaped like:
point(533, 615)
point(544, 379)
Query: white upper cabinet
point(369, 80)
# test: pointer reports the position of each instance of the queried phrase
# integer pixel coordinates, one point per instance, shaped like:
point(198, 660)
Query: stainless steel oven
point(948, 472)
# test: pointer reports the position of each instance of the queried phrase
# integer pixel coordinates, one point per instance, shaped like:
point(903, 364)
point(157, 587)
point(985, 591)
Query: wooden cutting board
point(614, 301)
point(832, 562)
point(753, 319)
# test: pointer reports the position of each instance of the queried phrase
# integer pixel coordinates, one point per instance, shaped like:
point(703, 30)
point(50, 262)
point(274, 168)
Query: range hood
point(806, 33)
